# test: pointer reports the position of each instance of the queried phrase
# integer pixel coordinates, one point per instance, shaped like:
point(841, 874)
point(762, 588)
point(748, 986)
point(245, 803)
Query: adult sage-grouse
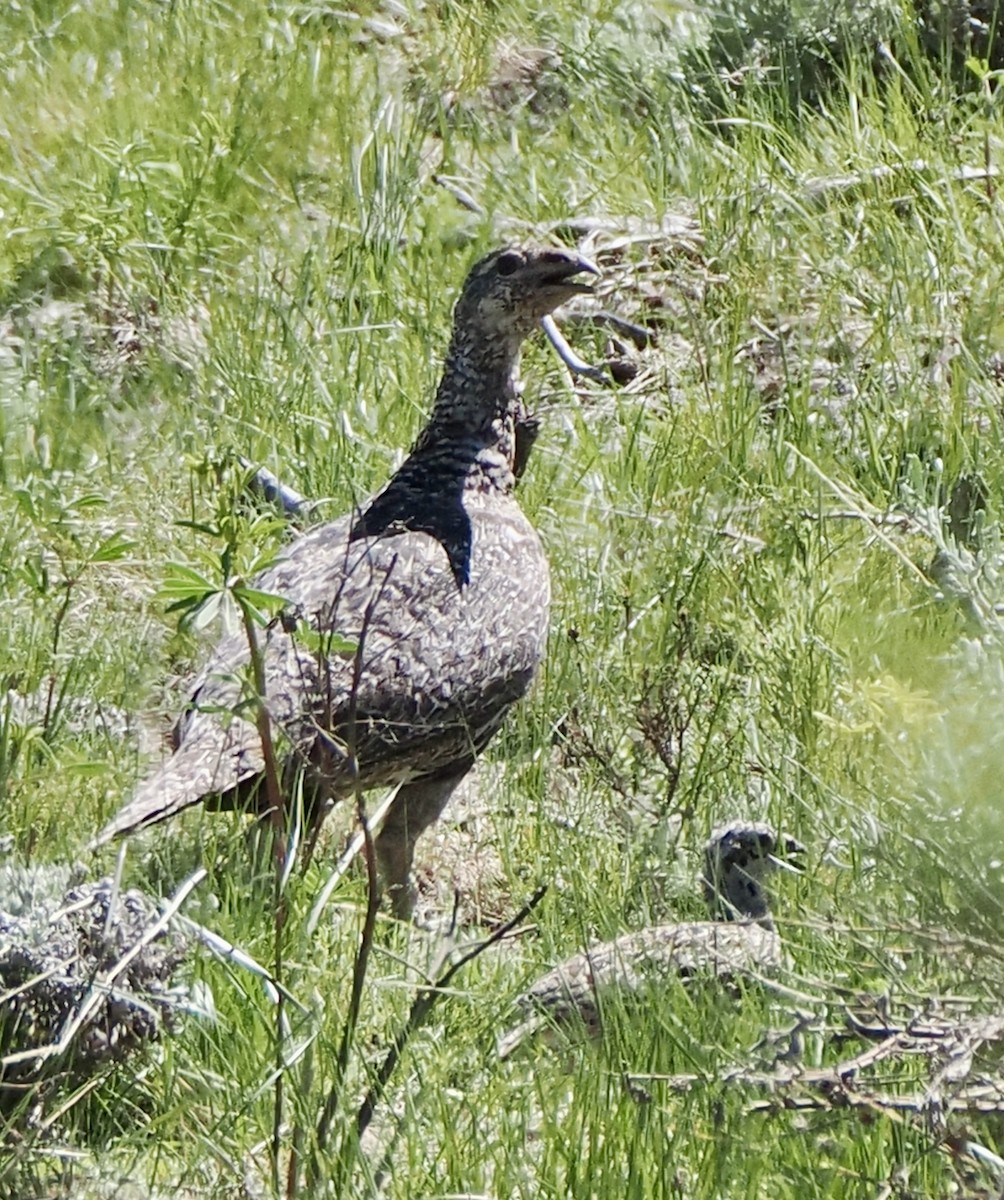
point(740, 938)
point(439, 580)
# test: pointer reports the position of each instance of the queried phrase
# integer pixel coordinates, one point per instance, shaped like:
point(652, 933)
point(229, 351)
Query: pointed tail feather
point(186, 779)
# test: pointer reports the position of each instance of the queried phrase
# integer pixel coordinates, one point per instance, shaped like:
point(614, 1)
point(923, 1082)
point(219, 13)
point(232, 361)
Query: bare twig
point(638, 335)
point(355, 845)
point(821, 187)
point(68, 584)
point(366, 937)
point(902, 521)
point(872, 517)
point(950, 1045)
point(292, 503)
point(983, 1101)
point(273, 788)
point(359, 971)
point(423, 1004)
point(575, 364)
point(462, 197)
point(277, 819)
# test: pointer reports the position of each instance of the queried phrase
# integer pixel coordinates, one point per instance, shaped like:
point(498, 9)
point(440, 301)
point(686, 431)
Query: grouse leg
point(415, 807)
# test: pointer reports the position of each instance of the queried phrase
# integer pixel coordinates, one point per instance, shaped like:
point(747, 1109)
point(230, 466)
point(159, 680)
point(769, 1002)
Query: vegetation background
point(776, 554)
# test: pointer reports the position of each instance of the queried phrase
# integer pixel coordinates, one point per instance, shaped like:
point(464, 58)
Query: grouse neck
point(474, 414)
point(736, 895)
point(478, 386)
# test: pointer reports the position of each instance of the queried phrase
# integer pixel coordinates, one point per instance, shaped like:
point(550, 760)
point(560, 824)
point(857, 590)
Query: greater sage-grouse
point(439, 580)
point(739, 939)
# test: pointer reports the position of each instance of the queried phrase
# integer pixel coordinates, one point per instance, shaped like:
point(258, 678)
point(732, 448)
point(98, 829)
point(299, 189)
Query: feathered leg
point(415, 807)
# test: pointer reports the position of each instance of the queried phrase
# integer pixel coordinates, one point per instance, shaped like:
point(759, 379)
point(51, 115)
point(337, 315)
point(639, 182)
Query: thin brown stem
point(367, 935)
point(273, 790)
point(69, 582)
point(423, 1004)
point(277, 819)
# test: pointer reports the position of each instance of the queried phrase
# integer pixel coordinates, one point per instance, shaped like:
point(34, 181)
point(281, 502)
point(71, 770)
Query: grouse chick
point(740, 938)
point(439, 580)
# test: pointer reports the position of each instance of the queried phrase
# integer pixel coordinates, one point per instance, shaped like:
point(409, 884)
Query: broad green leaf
point(182, 583)
point(112, 549)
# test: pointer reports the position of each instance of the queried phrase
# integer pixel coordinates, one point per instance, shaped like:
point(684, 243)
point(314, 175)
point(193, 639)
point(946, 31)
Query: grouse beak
point(556, 271)
point(793, 851)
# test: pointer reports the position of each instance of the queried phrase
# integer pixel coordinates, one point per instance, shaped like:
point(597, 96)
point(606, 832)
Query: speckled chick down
point(439, 580)
point(739, 939)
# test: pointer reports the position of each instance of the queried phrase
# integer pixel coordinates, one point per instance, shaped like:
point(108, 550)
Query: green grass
point(246, 192)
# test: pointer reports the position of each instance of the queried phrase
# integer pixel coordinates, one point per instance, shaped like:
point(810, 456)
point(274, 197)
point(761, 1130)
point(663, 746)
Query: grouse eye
point(507, 262)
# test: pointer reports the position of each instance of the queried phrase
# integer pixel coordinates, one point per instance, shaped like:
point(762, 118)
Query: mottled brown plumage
point(739, 939)
point(439, 579)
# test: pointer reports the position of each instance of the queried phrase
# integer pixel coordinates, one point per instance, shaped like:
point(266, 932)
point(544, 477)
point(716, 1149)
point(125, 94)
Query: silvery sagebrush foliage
point(60, 937)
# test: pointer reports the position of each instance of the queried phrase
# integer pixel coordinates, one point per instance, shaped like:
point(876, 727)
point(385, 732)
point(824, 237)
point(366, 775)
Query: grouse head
point(738, 858)
point(507, 292)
